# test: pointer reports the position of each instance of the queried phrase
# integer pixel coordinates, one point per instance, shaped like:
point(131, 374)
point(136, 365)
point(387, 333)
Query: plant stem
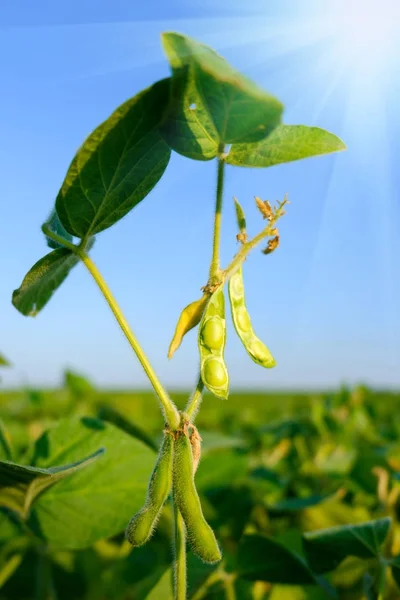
point(180, 555)
point(229, 585)
point(215, 261)
point(193, 404)
point(169, 409)
point(244, 251)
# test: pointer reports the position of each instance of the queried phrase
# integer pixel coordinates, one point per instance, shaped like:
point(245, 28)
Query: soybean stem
point(180, 555)
point(193, 404)
point(215, 261)
point(169, 409)
point(244, 251)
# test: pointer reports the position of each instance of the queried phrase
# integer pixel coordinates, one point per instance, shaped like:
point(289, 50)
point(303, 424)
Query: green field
point(274, 465)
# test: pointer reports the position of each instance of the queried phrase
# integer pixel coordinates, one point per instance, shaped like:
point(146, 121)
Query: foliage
point(272, 495)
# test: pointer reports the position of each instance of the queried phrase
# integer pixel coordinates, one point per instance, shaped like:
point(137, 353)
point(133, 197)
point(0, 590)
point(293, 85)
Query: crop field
point(217, 492)
point(274, 466)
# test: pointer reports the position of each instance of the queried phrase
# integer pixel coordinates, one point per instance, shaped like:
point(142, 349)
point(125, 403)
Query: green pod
point(143, 523)
point(242, 322)
point(212, 338)
point(200, 535)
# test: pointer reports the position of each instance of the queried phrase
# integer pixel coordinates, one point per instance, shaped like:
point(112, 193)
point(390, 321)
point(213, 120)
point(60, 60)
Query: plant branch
point(180, 555)
point(246, 248)
point(194, 402)
point(59, 239)
point(215, 261)
point(169, 409)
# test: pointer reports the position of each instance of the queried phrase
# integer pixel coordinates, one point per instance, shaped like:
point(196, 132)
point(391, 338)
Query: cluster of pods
point(174, 470)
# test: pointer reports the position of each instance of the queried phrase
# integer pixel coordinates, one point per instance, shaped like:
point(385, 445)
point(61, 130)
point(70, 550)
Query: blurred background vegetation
point(274, 464)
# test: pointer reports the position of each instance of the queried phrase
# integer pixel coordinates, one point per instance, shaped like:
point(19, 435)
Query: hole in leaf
point(193, 106)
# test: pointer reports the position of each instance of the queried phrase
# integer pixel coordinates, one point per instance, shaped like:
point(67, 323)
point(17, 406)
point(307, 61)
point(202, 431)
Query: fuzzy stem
point(169, 409)
point(244, 251)
point(180, 555)
point(194, 402)
point(215, 261)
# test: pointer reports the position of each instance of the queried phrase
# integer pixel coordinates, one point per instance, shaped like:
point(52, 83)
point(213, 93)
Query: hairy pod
point(200, 535)
point(242, 322)
point(189, 318)
point(143, 523)
point(212, 338)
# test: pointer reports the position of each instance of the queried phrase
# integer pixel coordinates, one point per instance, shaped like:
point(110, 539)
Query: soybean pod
point(212, 338)
point(189, 318)
point(143, 523)
point(200, 535)
point(242, 322)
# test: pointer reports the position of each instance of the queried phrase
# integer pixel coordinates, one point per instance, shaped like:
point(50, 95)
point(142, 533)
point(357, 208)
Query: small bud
point(241, 222)
point(242, 238)
point(265, 208)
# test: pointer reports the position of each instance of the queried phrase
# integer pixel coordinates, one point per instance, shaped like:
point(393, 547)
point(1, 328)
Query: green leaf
point(42, 280)
point(20, 485)
point(395, 568)
point(109, 414)
point(96, 503)
point(326, 548)
point(8, 568)
point(54, 223)
point(295, 504)
point(240, 217)
point(212, 103)
point(9, 529)
point(117, 165)
point(369, 587)
point(163, 589)
point(261, 558)
point(285, 144)
point(77, 385)
point(5, 443)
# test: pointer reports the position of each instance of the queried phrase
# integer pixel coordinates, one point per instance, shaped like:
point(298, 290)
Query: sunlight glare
point(365, 32)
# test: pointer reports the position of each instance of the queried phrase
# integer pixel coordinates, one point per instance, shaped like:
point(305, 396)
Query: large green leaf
point(117, 165)
point(212, 103)
point(97, 503)
point(21, 485)
point(42, 280)
point(163, 589)
point(285, 144)
point(326, 548)
point(262, 558)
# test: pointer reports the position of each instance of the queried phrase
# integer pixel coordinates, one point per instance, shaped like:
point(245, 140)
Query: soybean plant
point(204, 106)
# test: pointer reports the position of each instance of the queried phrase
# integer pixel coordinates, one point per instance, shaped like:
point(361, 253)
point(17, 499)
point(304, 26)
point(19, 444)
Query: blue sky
point(326, 303)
